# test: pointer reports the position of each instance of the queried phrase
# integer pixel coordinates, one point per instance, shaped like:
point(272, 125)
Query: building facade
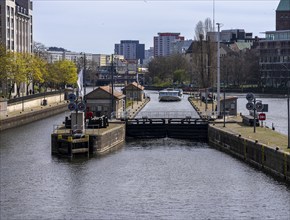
point(283, 15)
point(179, 46)
point(162, 43)
point(235, 35)
point(275, 58)
point(131, 49)
point(16, 25)
point(275, 50)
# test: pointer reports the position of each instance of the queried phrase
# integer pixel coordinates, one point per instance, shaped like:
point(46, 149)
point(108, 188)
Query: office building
point(16, 25)
point(275, 50)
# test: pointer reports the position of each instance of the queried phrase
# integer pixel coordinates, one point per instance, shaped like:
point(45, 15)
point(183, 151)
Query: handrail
point(167, 114)
point(33, 96)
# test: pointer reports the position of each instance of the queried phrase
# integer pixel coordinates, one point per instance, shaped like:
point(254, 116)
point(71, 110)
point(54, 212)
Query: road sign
point(81, 106)
point(262, 116)
point(250, 106)
point(250, 97)
point(265, 108)
point(259, 106)
point(72, 97)
point(72, 106)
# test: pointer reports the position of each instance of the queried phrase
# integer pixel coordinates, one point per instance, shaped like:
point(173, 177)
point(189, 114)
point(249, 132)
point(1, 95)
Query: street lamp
point(112, 82)
point(84, 83)
point(218, 70)
point(288, 107)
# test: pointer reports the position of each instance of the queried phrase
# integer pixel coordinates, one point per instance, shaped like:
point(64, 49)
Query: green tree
point(17, 72)
point(38, 71)
point(65, 72)
point(6, 60)
point(180, 76)
point(161, 69)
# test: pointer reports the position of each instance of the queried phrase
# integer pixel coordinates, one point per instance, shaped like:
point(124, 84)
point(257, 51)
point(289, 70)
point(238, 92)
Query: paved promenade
point(28, 110)
point(235, 126)
point(132, 111)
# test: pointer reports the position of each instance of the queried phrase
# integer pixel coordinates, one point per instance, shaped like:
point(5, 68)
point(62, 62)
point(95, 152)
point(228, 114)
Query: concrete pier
point(266, 148)
point(96, 141)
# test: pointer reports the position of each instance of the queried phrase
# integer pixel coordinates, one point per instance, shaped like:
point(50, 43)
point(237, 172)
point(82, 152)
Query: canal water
point(145, 179)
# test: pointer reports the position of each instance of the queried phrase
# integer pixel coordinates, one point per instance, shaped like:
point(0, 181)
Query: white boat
point(170, 94)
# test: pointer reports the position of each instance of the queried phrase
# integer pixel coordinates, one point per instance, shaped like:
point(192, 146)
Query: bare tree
point(207, 26)
point(199, 31)
point(40, 50)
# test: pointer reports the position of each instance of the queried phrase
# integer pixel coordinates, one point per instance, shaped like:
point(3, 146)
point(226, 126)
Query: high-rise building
point(131, 49)
point(275, 50)
point(162, 43)
point(16, 25)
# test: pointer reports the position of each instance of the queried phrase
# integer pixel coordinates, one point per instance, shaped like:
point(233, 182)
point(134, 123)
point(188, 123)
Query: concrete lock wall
point(265, 157)
point(110, 140)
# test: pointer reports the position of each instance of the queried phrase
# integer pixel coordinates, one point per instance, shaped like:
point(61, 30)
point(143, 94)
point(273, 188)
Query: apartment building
point(162, 43)
point(131, 50)
point(16, 25)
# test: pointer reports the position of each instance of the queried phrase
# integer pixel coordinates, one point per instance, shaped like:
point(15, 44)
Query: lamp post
point(218, 70)
point(84, 77)
point(84, 84)
point(224, 105)
point(112, 84)
point(288, 107)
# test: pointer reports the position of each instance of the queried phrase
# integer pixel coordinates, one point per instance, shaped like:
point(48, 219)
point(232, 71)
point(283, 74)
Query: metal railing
point(33, 96)
point(167, 114)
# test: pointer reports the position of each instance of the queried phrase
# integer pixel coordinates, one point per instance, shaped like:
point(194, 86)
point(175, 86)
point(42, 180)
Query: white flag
point(80, 83)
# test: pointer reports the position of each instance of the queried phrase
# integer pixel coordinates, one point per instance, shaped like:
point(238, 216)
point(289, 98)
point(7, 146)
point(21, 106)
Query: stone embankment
point(29, 111)
point(266, 148)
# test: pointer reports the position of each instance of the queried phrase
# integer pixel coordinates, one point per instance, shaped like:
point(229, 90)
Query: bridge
point(179, 125)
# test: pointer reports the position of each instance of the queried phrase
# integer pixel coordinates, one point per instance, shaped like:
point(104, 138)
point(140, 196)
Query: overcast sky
point(94, 26)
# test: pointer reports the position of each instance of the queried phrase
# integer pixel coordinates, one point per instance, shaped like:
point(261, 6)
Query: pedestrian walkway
point(14, 114)
point(133, 110)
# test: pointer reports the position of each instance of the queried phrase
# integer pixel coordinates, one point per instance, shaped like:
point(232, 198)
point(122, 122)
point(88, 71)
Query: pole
point(218, 71)
point(112, 83)
point(213, 16)
point(84, 85)
point(84, 77)
point(224, 106)
point(288, 103)
point(254, 115)
point(288, 109)
point(22, 101)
